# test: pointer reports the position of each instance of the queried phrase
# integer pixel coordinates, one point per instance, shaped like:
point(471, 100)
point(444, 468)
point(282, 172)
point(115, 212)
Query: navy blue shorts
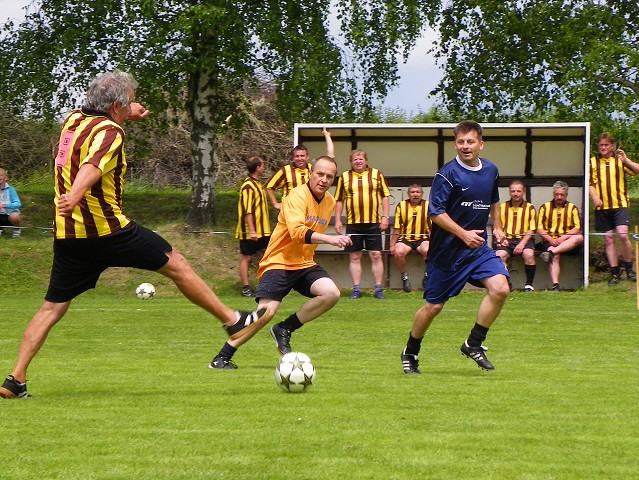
point(445, 284)
point(364, 236)
point(606, 220)
point(79, 262)
point(276, 284)
point(251, 247)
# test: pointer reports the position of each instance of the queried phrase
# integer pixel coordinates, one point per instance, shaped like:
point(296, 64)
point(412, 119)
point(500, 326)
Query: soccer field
point(122, 390)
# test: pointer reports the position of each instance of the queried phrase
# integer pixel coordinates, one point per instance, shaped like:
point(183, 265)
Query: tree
point(569, 59)
point(203, 54)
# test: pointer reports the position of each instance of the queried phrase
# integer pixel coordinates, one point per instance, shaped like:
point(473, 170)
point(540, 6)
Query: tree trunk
point(201, 102)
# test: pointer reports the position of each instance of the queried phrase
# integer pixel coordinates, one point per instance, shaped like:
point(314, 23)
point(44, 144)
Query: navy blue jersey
point(465, 194)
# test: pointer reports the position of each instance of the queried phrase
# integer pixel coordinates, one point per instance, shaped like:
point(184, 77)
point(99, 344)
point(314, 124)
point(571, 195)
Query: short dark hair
point(252, 163)
point(468, 126)
point(298, 148)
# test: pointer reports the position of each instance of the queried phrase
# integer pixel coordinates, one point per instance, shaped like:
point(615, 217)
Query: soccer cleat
point(632, 276)
point(222, 363)
point(555, 288)
point(614, 280)
point(410, 363)
point(282, 337)
point(247, 292)
point(246, 319)
point(11, 388)
point(546, 256)
point(406, 283)
point(357, 293)
point(477, 354)
point(379, 294)
point(529, 288)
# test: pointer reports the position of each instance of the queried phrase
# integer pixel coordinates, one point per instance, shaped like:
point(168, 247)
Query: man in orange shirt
point(288, 263)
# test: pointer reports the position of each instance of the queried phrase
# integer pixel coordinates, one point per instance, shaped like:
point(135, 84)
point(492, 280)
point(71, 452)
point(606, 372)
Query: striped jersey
point(558, 221)
point(288, 177)
point(608, 176)
point(517, 221)
point(253, 201)
point(302, 213)
point(91, 137)
point(362, 194)
point(412, 222)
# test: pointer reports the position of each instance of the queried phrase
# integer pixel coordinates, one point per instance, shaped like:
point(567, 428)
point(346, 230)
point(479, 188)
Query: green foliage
point(122, 390)
point(170, 46)
point(572, 60)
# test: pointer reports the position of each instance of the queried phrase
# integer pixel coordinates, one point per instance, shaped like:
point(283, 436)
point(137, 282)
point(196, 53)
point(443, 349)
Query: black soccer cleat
point(477, 354)
point(222, 363)
point(406, 286)
point(410, 363)
point(12, 389)
point(282, 337)
point(246, 319)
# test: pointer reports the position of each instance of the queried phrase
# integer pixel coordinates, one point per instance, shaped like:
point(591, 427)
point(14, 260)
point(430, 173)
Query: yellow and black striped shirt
point(288, 177)
point(90, 137)
point(252, 200)
point(608, 176)
point(412, 222)
point(557, 221)
point(517, 221)
point(362, 194)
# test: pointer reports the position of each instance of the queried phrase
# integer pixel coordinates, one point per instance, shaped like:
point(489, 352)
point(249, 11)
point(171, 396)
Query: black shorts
point(251, 247)
point(276, 284)
point(606, 220)
point(4, 220)
point(413, 245)
point(512, 243)
point(79, 262)
point(364, 236)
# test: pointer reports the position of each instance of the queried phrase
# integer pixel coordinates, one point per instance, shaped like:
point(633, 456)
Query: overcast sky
point(418, 76)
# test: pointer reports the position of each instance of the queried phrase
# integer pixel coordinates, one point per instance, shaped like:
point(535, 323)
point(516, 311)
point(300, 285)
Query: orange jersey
point(300, 216)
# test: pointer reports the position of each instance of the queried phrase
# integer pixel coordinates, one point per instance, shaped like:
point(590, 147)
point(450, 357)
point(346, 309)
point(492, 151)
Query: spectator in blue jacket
point(9, 205)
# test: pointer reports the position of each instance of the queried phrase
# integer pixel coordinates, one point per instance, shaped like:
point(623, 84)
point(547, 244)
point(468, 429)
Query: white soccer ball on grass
point(295, 372)
point(145, 291)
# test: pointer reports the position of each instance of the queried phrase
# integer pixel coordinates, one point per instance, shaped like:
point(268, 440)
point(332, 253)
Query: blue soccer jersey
point(465, 194)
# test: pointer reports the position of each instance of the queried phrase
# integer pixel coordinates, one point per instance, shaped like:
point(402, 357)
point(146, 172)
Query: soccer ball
point(145, 291)
point(295, 373)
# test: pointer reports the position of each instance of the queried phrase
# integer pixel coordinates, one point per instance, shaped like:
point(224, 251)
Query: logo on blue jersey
point(476, 205)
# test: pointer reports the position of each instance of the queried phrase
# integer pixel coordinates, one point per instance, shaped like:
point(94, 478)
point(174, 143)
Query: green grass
point(121, 391)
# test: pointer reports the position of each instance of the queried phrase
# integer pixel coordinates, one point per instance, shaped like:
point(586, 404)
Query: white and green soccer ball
point(295, 372)
point(145, 291)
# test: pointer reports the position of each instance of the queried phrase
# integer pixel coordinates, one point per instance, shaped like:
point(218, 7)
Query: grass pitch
point(122, 390)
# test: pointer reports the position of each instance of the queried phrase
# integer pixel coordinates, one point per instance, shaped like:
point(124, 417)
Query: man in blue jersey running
point(463, 195)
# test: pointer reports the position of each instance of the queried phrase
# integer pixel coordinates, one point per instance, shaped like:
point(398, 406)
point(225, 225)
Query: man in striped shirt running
point(91, 231)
